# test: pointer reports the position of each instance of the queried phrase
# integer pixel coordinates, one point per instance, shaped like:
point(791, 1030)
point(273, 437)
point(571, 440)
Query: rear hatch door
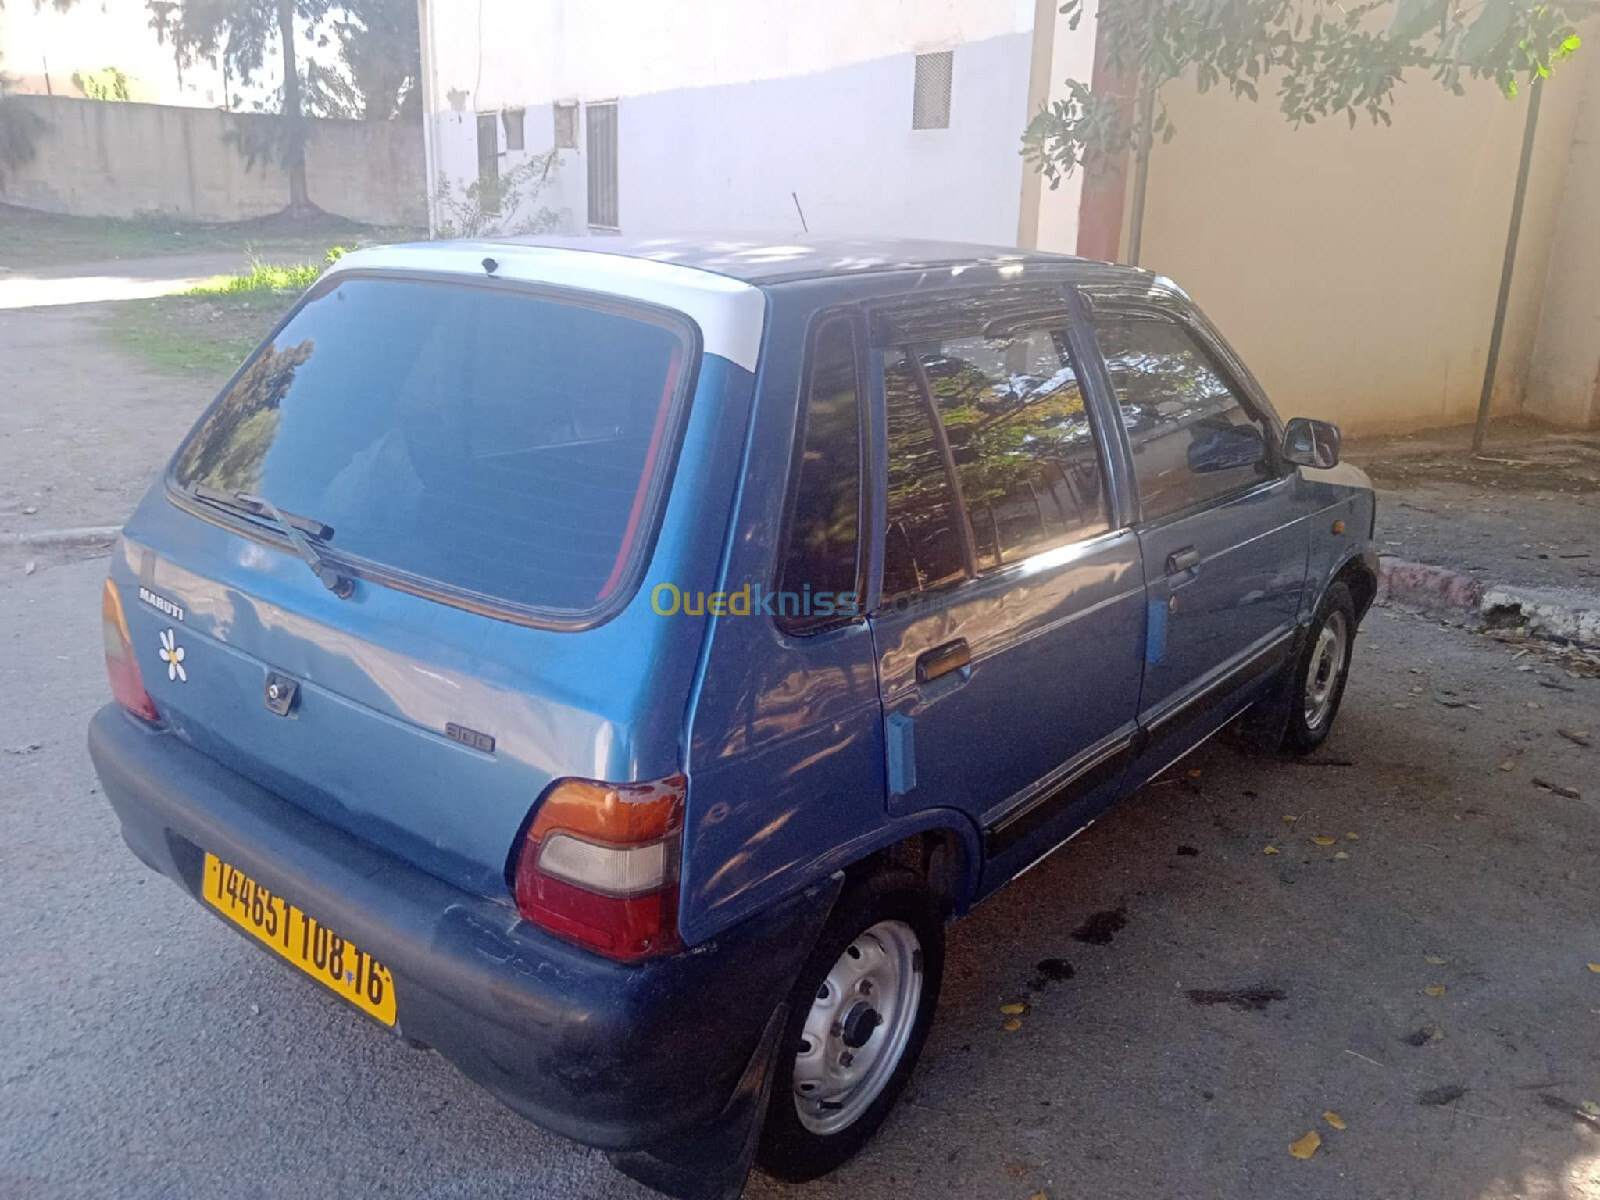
point(487, 465)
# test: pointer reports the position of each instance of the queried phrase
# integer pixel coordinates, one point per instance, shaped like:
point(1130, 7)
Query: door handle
point(942, 660)
point(1183, 560)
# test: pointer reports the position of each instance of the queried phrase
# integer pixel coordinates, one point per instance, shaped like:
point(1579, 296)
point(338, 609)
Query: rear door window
point(923, 544)
point(492, 442)
point(1194, 438)
point(1025, 456)
point(998, 376)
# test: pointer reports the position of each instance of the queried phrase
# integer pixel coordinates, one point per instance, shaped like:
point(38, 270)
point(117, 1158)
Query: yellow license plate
point(304, 941)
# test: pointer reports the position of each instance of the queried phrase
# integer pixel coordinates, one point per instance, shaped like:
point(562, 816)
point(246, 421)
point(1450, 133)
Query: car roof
point(717, 281)
point(763, 260)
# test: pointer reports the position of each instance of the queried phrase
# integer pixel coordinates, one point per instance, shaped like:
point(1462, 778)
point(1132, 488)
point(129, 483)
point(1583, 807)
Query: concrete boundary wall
point(98, 159)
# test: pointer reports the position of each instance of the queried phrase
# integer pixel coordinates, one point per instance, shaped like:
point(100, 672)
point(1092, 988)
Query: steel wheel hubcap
point(1327, 664)
point(858, 1027)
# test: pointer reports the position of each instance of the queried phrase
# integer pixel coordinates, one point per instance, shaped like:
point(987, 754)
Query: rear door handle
point(942, 660)
point(1183, 560)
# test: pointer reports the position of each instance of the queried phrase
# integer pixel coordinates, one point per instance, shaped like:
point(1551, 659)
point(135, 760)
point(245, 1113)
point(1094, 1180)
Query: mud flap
point(1264, 723)
point(713, 1162)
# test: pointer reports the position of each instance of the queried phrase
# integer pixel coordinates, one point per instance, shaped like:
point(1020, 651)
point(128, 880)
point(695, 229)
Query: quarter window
point(1193, 437)
point(818, 582)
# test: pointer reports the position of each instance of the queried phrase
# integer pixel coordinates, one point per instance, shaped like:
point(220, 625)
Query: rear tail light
point(599, 865)
point(127, 687)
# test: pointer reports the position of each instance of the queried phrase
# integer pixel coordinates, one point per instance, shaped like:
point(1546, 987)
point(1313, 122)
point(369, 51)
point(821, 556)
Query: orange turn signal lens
point(619, 814)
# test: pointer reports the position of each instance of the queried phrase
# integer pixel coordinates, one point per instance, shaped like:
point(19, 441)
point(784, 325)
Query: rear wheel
point(1317, 685)
point(858, 1018)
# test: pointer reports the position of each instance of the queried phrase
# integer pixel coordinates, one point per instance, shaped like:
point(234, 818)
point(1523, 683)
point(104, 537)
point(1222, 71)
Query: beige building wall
point(1356, 269)
point(1563, 382)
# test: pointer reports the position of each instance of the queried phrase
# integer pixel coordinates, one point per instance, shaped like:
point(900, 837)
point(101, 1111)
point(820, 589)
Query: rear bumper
point(621, 1057)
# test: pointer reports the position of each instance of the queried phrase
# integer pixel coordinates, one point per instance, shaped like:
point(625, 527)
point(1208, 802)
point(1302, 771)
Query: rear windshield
point(498, 442)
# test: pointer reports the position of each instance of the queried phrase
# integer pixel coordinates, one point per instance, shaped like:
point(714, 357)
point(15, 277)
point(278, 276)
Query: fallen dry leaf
point(1012, 1025)
point(1341, 856)
point(1038, 1196)
point(1323, 841)
point(1595, 967)
point(1354, 837)
point(1306, 1146)
point(1436, 990)
point(1290, 817)
point(1437, 960)
point(1270, 850)
point(1334, 1119)
point(1507, 764)
point(1014, 1009)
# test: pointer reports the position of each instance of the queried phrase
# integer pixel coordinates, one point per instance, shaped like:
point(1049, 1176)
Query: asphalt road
point(1220, 998)
point(149, 1051)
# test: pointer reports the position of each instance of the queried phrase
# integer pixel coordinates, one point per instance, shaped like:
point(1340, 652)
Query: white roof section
point(730, 312)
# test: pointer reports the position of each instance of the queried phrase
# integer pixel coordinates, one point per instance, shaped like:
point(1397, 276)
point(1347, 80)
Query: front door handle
point(942, 660)
point(1183, 560)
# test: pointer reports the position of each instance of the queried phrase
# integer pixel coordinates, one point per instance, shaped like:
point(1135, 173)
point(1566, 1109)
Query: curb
point(83, 535)
point(1557, 614)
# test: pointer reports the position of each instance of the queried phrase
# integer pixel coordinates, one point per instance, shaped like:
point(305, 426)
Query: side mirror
point(1309, 443)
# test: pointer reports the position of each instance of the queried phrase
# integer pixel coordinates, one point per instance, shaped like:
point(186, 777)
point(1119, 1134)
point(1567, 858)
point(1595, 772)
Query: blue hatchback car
point(610, 664)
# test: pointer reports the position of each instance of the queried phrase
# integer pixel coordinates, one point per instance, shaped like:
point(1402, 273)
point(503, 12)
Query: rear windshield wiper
point(299, 530)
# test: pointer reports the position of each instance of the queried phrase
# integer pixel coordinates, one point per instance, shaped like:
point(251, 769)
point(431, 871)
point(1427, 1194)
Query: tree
point(380, 52)
point(245, 34)
point(108, 83)
point(20, 128)
point(1328, 58)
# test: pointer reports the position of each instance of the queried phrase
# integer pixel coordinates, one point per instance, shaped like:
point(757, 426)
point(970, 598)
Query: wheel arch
point(941, 854)
point(1361, 577)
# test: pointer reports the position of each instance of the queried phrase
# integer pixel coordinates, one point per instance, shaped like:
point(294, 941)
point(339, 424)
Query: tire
point(1316, 686)
point(887, 932)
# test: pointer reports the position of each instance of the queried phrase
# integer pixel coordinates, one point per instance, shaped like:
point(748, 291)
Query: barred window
point(930, 100)
point(602, 130)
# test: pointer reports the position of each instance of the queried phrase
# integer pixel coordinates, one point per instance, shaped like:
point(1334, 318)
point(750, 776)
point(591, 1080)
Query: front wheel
point(858, 1018)
point(1317, 685)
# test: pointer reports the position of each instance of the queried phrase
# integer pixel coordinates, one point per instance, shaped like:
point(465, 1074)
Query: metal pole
point(1486, 397)
point(1141, 173)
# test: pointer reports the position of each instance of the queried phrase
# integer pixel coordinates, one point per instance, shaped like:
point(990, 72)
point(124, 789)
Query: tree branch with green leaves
point(1325, 59)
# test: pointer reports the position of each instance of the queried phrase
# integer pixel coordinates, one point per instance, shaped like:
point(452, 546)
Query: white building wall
point(726, 107)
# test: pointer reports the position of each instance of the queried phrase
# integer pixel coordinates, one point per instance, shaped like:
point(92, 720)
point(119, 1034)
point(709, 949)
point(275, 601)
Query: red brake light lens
point(127, 685)
point(599, 865)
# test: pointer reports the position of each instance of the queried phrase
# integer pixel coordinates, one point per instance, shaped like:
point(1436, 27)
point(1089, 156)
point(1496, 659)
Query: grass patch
point(31, 239)
point(198, 335)
point(261, 277)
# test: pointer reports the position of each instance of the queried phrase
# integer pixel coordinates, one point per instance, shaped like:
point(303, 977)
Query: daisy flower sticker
point(172, 655)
